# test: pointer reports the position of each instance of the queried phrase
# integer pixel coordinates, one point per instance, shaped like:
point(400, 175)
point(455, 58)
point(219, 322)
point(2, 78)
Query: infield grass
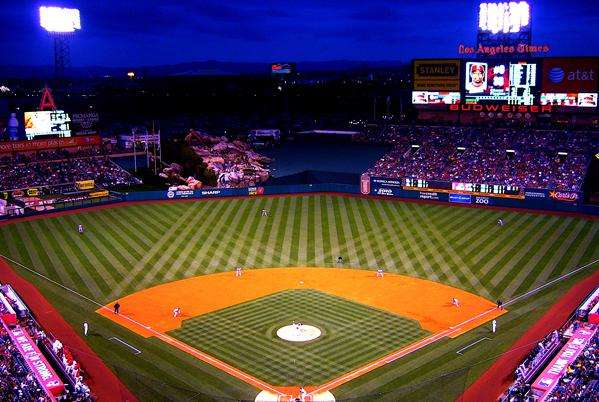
point(245, 336)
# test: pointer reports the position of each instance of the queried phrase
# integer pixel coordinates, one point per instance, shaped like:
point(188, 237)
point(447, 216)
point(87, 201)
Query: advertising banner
point(549, 378)
point(172, 194)
point(85, 184)
point(98, 194)
point(442, 75)
point(460, 198)
point(255, 190)
point(37, 363)
point(563, 75)
point(52, 143)
point(567, 196)
point(85, 123)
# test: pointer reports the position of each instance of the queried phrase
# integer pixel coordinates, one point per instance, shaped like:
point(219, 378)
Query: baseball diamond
point(128, 251)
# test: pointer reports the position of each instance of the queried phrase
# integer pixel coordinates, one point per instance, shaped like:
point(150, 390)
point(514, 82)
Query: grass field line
point(551, 282)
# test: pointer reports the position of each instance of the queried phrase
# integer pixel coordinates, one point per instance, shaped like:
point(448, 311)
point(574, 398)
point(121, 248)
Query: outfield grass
point(352, 334)
point(133, 247)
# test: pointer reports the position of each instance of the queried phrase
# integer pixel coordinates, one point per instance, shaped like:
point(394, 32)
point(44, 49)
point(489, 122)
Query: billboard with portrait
point(507, 82)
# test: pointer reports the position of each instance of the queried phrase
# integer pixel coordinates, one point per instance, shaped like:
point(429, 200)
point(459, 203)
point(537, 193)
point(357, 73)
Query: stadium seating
point(17, 381)
point(478, 155)
point(580, 379)
point(44, 172)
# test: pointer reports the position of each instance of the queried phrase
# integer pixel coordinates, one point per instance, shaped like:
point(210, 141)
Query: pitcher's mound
point(298, 333)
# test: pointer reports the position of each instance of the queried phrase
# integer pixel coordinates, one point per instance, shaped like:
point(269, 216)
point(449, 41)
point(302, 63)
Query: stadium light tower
point(60, 23)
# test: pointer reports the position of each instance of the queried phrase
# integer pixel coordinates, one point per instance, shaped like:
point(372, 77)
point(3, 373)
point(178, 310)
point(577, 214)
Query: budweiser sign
point(475, 107)
point(563, 195)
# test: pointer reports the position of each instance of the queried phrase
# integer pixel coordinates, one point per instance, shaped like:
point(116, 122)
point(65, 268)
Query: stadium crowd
point(47, 172)
point(509, 156)
point(17, 382)
point(579, 381)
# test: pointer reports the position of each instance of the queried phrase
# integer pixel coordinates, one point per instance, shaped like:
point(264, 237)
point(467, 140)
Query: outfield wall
point(533, 199)
point(540, 199)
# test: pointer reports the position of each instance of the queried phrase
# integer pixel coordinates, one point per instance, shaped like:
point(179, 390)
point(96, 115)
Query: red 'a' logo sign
point(47, 102)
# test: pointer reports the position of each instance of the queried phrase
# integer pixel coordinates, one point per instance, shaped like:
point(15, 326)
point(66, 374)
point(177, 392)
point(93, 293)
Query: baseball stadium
point(447, 253)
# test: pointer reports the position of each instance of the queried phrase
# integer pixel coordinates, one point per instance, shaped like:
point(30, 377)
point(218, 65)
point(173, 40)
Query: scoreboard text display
point(441, 75)
point(501, 82)
point(45, 123)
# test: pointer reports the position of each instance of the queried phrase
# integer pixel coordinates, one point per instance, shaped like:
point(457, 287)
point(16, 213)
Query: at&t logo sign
point(557, 75)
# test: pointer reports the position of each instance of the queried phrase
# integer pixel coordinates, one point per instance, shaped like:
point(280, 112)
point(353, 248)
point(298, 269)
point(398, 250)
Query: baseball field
point(128, 250)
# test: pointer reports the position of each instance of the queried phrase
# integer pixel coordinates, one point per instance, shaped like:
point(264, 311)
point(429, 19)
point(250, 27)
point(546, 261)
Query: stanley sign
point(437, 75)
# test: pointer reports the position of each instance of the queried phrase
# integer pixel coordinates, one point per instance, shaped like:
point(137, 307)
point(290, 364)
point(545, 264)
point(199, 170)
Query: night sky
point(149, 32)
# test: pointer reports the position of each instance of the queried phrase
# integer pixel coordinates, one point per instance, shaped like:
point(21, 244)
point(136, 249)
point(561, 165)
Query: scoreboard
point(566, 84)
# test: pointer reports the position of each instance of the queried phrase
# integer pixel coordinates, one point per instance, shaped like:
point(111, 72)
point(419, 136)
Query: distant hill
point(198, 68)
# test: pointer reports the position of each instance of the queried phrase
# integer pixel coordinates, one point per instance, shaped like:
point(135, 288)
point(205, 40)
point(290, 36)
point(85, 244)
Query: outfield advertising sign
point(175, 194)
point(461, 198)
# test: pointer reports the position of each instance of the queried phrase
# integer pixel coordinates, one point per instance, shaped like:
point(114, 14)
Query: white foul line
point(459, 352)
point(135, 350)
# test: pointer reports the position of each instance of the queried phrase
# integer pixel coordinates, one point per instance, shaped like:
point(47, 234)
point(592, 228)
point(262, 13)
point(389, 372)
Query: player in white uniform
point(176, 312)
point(238, 271)
point(455, 302)
point(379, 273)
point(80, 228)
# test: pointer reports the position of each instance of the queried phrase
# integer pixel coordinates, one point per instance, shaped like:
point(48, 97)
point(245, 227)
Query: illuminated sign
point(54, 122)
point(85, 184)
point(509, 82)
point(570, 75)
point(563, 196)
point(62, 20)
point(435, 98)
point(282, 68)
point(505, 17)
point(521, 48)
point(582, 99)
point(500, 108)
point(441, 75)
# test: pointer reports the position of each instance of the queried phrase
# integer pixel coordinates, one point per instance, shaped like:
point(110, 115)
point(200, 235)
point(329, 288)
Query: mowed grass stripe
point(395, 257)
point(137, 232)
point(503, 255)
point(253, 230)
point(487, 246)
point(420, 262)
point(195, 234)
point(204, 256)
point(574, 254)
point(247, 224)
point(519, 259)
point(94, 284)
point(538, 256)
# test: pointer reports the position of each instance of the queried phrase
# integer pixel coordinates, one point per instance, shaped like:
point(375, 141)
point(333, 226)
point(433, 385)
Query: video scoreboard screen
point(497, 189)
point(500, 82)
point(585, 100)
point(435, 98)
point(47, 123)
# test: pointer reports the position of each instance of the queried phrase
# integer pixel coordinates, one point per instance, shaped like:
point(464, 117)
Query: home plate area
point(267, 396)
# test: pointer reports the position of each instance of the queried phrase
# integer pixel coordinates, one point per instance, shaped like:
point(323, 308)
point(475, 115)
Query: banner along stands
point(37, 363)
point(549, 378)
